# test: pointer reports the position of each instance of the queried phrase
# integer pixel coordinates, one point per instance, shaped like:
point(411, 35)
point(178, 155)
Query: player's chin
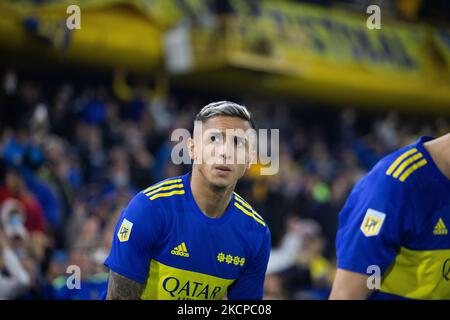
point(222, 179)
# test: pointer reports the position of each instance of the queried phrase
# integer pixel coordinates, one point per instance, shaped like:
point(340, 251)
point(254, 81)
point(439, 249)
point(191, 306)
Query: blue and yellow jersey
point(398, 218)
point(164, 241)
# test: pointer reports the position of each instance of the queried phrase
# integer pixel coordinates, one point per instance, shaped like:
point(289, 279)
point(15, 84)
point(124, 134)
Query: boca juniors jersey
point(397, 219)
point(164, 241)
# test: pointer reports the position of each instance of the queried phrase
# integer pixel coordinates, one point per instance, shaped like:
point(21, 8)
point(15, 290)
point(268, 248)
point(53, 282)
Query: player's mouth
point(222, 169)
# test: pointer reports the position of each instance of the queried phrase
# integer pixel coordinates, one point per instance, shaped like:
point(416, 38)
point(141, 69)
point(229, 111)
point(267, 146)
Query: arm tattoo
point(121, 288)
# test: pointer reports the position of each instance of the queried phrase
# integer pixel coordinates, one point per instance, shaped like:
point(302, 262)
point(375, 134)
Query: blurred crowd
point(73, 153)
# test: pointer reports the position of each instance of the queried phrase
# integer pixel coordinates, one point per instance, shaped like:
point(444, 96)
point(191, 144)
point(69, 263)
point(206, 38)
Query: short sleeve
point(135, 235)
point(250, 285)
point(371, 224)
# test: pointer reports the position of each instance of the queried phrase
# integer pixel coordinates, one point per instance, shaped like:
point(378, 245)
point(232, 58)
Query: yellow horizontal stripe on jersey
point(169, 283)
point(400, 159)
point(161, 184)
point(413, 168)
point(172, 186)
point(237, 205)
point(406, 163)
point(245, 204)
point(166, 194)
point(419, 275)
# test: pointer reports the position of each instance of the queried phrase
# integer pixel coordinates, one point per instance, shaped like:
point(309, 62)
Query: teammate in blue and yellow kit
point(193, 237)
point(397, 219)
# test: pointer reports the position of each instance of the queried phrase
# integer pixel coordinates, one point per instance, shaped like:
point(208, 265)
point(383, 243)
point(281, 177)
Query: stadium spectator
point(14, 278)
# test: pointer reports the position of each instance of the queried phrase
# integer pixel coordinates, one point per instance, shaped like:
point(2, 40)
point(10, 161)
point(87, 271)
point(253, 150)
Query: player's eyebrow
point(214, 130)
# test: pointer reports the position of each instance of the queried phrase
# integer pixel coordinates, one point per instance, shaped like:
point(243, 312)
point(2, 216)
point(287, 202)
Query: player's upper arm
point(135, 236)
point(371, 224)
point(250, 285)
point(349, 285)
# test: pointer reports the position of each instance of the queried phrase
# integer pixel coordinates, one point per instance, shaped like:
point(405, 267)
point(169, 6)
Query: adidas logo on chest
point(180, 250)
point(440, 229)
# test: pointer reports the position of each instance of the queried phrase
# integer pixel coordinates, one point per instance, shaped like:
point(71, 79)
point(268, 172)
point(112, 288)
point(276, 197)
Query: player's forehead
point(226, 123)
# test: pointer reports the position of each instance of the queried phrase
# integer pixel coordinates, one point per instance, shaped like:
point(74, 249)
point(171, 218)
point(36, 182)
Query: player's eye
point(214, 137)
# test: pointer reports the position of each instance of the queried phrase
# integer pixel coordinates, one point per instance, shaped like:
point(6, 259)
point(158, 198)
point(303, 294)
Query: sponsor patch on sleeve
point(125, 230)
point(372, 223)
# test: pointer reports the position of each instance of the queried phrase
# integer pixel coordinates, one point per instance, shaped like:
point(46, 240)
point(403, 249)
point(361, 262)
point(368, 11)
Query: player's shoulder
point(153, 201)
point(150, 207)
point(403, 166)
point(248, 215)
point(393, 181)
point(398, 170)
point(163, 191)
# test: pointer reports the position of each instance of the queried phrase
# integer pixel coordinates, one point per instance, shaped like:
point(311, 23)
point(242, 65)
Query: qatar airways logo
point(230, 147)
point(191, 290)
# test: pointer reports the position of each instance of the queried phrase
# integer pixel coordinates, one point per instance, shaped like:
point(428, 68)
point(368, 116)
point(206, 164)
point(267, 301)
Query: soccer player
point(395, 225)
point(192, 236)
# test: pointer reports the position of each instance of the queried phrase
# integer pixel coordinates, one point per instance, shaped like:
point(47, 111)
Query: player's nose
point(225, 150)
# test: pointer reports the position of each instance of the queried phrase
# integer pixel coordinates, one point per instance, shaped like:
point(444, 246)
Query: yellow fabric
point(419, 275)
point(169, 283)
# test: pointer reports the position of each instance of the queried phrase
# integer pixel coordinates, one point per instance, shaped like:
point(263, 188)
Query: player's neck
point(439, 150)
point(212, 201)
